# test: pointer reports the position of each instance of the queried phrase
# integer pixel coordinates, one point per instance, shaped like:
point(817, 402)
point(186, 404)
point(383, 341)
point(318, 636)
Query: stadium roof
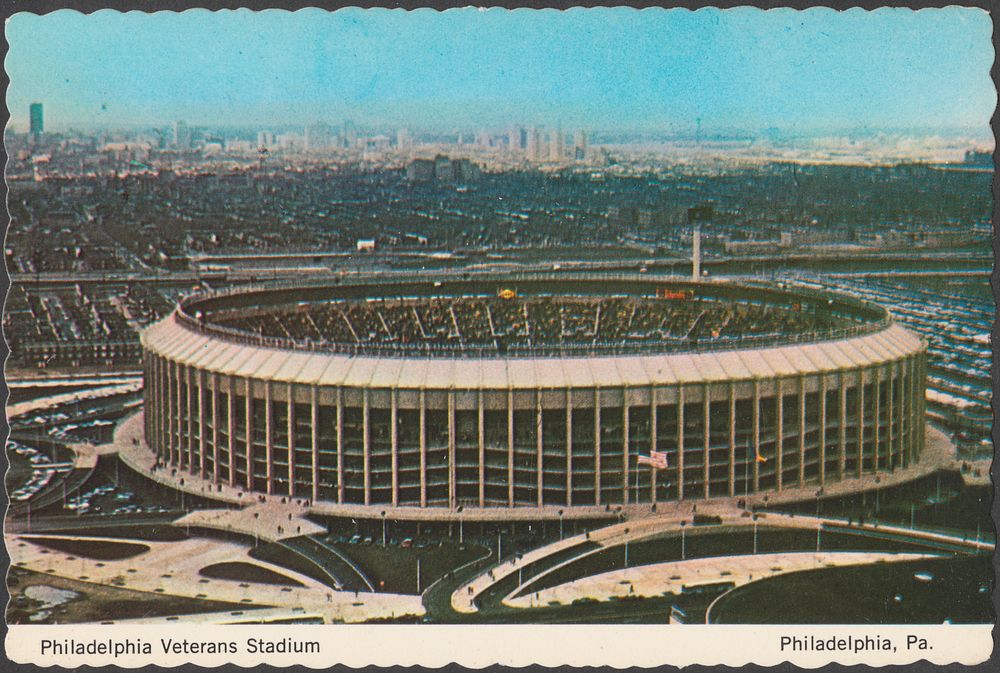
point(175, 341)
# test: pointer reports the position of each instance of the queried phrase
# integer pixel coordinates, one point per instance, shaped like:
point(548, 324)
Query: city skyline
point(662, 71)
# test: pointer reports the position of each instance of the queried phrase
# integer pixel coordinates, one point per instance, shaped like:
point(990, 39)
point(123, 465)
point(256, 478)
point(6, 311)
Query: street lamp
point(684, 539)
point(560, 524)
point(754, 533)
point(461, 530)
point(626, 547)
point(878, 480)
point(383, 528)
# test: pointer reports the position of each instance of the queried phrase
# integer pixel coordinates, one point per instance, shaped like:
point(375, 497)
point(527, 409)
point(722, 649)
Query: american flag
point(655, 459)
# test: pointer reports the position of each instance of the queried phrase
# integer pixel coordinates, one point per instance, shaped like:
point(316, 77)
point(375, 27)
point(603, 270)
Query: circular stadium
point(548, 391)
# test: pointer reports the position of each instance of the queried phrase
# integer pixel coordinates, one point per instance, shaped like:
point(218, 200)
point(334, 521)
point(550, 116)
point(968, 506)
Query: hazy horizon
point(658, 71)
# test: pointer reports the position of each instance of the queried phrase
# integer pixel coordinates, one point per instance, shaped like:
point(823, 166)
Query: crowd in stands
point(525, 322)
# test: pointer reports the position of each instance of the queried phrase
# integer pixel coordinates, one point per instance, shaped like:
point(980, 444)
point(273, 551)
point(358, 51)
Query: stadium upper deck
point(527, 316)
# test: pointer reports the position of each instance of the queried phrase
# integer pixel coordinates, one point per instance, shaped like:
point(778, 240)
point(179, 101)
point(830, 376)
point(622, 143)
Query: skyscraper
point(37, 120)
point(533, 145)
point(556, 141)
point(182, 135)
point(580, 145)
point(318, 136)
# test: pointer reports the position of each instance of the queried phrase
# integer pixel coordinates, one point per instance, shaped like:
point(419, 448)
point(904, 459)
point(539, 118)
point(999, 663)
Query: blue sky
point(599, 69)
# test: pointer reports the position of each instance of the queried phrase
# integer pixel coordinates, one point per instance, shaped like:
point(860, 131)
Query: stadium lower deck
point(527, 321)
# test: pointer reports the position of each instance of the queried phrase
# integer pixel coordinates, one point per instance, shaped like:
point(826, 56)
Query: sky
point(600, 69)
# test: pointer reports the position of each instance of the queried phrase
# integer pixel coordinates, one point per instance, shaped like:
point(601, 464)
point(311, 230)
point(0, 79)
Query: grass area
point(138, 531)
point(97, 602)
point(883, 593)
point(394, 569)
point(98, 550)
point(247, 572)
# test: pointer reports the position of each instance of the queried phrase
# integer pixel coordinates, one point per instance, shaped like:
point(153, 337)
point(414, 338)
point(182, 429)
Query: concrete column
point(822, 429)
point(366, 445)
point(842, 431)
point(539, 455)
point(249, 430)
point(779, 436)
point(178, 419)
point(481, 430)
point(340, 445)
point(190, 419)
point(202, 439)
point(394, 441)
point(452, 486)
point(653, 477)
point(510, 447)
point(861, 421)
point(732, 439)
point(890, 415)
point(756, 435)
point(680, 442)
point(876, 388)
point(231, 430)
point(597, 446)
point(168, 425)
point(156, 441)
point(915, 422)
point(707, 429)
point(291, 441)
point(626, 455)
point(423, 449)
point(269, 435)
point(215, 428)
point(802, 431)
point(921, 433)
point(314, 439)
point(569, 447)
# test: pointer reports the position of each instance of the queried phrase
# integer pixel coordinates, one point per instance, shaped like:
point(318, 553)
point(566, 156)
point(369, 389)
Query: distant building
point(556, 145)
point(533, 144)
point(265, 139)
point(182, 135)
point(403, 139)
point(983, 158)
point(625, 215)
point(37, 120)
point(464, 170)
point(318, 136)
point(651, 217)
point(420, 170)
point(580, 145)
point(443, 170)
point(350, 134)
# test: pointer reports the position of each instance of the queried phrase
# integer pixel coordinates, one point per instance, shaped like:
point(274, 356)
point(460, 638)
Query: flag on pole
point(656, 459)
point(760, 458)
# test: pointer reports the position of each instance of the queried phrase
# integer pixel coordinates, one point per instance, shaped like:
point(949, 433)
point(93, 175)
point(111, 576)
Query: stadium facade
point(235, 395)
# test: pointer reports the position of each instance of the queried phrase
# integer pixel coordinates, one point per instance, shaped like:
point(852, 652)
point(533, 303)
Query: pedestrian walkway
point(675, 577)
point(271, 520)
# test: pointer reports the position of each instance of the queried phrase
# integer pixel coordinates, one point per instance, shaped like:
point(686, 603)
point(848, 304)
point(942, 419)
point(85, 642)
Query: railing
point(874, 318)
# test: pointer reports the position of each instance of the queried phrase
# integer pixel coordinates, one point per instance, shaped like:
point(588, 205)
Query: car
point(355, 539)
point(407, 543)
point(368, 540)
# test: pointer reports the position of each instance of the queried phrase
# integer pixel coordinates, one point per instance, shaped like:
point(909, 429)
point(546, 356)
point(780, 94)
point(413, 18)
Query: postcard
point(406, 332)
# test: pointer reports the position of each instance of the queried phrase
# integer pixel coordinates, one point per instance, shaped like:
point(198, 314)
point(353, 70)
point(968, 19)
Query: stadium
point(496, 393)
